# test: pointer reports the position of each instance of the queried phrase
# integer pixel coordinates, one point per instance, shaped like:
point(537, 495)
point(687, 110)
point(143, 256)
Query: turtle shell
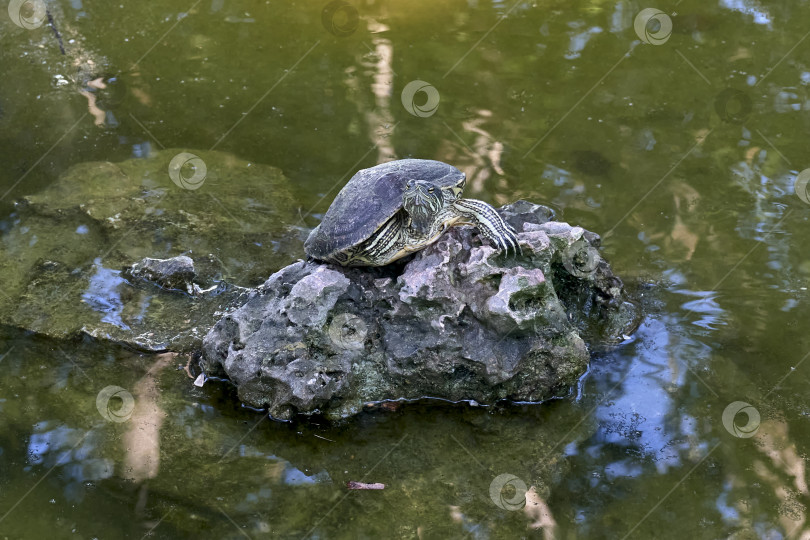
point(371, 197)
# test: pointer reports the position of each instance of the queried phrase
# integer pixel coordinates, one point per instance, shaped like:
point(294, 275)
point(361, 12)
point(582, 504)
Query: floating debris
point(363, 485)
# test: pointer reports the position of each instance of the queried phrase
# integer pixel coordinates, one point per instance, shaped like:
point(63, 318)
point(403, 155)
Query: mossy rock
point(62, 250)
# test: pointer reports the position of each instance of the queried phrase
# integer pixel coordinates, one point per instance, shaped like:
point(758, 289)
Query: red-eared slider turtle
point(393, 209)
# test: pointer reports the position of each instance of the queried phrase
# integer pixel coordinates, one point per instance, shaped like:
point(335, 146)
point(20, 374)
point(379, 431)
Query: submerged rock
point(63, 249)
point(457, 321)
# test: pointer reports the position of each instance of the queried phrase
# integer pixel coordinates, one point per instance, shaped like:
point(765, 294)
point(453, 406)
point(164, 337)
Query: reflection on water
point(682, 154)
point(103, 295)
point(73, 452)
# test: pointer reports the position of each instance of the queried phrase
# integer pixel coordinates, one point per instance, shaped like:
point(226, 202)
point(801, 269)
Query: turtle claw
point(489, 223)
point(517, 249)
point(510, 240)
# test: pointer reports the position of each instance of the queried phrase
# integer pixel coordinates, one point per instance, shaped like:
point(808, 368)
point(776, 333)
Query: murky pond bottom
point(682, 141)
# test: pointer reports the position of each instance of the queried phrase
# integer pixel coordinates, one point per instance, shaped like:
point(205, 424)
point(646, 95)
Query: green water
point(562, 103)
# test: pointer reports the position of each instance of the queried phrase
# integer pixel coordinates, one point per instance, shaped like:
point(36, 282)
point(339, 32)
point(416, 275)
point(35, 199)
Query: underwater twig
point(55, 31)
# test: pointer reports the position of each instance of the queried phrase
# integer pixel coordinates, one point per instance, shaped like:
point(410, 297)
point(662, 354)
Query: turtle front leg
point(488, 222)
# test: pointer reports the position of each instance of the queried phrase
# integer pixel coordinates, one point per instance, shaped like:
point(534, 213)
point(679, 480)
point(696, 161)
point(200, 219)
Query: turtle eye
point(408, 185)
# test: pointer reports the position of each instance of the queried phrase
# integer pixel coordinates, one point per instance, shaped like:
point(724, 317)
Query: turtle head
point(423, 201)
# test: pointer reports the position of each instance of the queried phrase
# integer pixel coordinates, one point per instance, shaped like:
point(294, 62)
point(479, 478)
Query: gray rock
point(175, 273)
point(457, 321)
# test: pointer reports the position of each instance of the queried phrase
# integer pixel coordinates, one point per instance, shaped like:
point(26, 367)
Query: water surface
point(681, 148)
